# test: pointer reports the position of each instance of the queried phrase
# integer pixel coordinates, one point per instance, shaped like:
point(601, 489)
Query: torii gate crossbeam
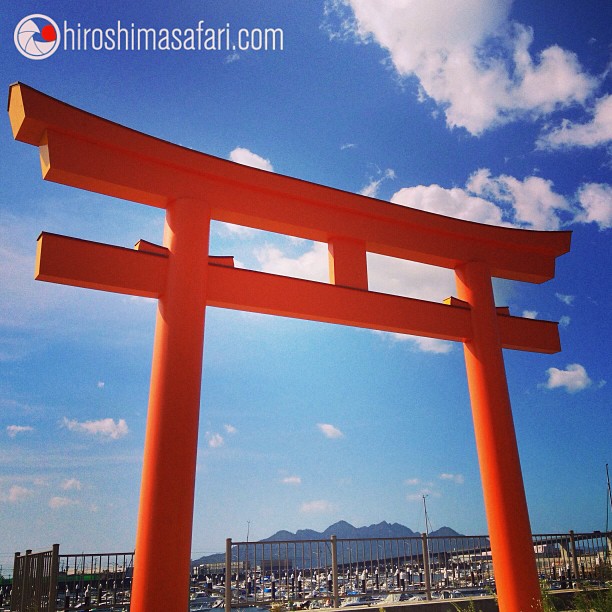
point(86, 151)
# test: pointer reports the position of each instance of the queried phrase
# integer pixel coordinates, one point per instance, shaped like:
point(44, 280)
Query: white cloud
point(456, 478)
point(231, 229)
point(564, 321)
point(214, 440)
point(467, 57)
point(412, 482)
point(596, 202)
point(230, 429)
point(13, 430)
point(593, 133)
point(574, 378)
point(104, 428)
point(316, 506)
point(16, 494)
point(245, 157)
point(568, 300)
point(71, 484)
point(100, 384)
point(292, 480)
point(504, 200)
point(530, 314)
point(453, 202)
point(311, 265)
point(58, 502)
point(329, 431)
point(409, 278)
point(423, 344)
point(371, 189)
point(531, 202)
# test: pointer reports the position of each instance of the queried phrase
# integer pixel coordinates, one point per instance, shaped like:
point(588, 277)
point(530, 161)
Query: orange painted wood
point(82, 263)
point(86, 151)
point(82, 150)
point(71, 261)
point(516, 576)
point(163, 537)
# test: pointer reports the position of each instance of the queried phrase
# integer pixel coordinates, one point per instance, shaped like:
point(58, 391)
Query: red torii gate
point(83, 150)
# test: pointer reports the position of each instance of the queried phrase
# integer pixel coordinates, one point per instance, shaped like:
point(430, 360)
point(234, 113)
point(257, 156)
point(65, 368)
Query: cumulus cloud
point(596, 202)
point(214, 440)
point(292, 480)
point(568, 300)
point(58, 502)
point(589, 134)
point(230, 429)
point(245, 157)
point(311, 265)
point(574, 378)
point(16, 494)
point(329, 431)
point(13, 430)
point(453, 202)
point(371, 189)
point(108, 429)
point(71, 484)
point(316, 506)
point(467, 57)
point(531, 202)
point(530, 314)
point(501, 200)
point(425, 345)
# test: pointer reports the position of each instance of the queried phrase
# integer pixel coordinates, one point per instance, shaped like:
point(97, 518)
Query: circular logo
point(37, 37)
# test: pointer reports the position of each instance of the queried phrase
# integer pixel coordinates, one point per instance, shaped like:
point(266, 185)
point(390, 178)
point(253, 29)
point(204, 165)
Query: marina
point(309, 574)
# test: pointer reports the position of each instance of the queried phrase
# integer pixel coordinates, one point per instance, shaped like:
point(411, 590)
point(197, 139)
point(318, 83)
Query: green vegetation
point(584, 600)
point(593, 600)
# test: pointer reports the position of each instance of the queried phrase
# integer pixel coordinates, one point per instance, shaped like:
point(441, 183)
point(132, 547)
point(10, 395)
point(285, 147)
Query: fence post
point(25, 580)
point(334, 556)
point(574, 558)
point(228, 574)
point(16, 578)
point(53, 574)
point(426, 567)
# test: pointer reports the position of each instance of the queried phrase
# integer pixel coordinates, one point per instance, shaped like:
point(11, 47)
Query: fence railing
point(34, 580)
point(327, 571)
point(317, 572)
point(48, 581)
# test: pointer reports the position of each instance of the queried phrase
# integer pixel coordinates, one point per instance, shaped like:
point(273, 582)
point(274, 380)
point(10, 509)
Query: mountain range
point(342, 530)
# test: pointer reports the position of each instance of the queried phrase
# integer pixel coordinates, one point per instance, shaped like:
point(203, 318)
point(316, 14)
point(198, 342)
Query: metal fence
point(48, 581)
point(308, 572)
point(327, 572)
point(34, 581)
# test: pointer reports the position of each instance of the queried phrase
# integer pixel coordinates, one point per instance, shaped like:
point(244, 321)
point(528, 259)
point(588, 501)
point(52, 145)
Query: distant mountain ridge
point(342, 530)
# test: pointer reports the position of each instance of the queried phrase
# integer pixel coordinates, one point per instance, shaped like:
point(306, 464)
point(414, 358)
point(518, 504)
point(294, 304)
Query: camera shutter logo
point(37, 37)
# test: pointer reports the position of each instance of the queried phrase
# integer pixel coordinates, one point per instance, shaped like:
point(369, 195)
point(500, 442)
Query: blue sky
point(494, 111)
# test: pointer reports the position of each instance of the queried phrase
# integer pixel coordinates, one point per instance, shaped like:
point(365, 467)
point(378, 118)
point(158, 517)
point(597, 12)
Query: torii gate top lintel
point(74, 144)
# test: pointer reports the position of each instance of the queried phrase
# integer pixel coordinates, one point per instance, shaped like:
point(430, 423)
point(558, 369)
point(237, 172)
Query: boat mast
point(609, 496)
point(427, 523)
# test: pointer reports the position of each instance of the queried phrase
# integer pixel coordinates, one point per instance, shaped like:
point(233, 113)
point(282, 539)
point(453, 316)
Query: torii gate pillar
point(500, 469)
point(169, 465)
